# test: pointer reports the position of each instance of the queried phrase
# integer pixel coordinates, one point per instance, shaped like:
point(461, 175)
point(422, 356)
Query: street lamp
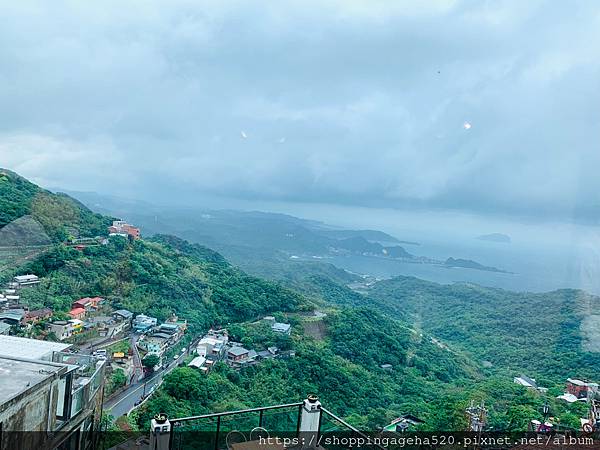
point(545, 410)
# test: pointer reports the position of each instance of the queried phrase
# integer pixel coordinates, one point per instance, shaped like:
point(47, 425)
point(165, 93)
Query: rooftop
point(13, 314)
point(163, 336)
point(237, 351)
point(18, 375)
point(29, 277)
point(198, 361)
point(39, 312)
point(29, 348)
point(207, 340)
point(281, 327)
point(577, 382)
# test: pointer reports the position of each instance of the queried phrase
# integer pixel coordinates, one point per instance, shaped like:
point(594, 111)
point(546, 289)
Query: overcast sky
point(345, 102)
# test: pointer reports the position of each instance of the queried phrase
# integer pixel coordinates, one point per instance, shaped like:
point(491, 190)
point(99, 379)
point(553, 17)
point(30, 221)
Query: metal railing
point(294, 425)
point(217, 429)
point(323, 428)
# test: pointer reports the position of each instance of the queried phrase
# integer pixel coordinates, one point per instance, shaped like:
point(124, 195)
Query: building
point(529, 383)
point(238, 356)
point(171, 329)
point(36, 315)
point(12, 316)
point(58, 395)
point(4, 328)
point(30, 348)
point(284, 328)
point(122, 228)
point(237, 353)
point(156, 343)
point(12, 299)
point(580, 388)
point(88, 303)
point(265, 354)
point(26, 280)
point(212, 346)
point(122, 314)
point(77, 313)
point(402, 423)
point(77, 326)
point(61, 328)
point(143, 323)
point(570, 398)
point(198, 363)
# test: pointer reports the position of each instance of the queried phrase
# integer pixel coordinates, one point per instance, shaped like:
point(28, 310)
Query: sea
point(543, 255)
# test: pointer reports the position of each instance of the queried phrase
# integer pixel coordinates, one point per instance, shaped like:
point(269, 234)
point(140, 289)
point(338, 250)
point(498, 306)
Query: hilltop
point(59, 215)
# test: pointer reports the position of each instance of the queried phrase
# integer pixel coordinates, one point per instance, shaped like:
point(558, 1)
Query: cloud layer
point(349, 102)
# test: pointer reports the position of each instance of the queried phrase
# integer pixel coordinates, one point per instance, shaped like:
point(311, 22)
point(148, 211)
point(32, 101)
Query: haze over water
point(543, 255)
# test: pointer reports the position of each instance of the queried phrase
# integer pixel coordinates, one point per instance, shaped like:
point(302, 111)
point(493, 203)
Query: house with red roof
point(88, 303)
point(36, 315)
point(77, 313)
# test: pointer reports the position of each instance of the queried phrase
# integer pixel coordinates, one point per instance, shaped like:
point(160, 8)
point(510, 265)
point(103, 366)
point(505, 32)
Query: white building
point(212, 346)
point(284, 328)
point(26, 280)
point(198, 362)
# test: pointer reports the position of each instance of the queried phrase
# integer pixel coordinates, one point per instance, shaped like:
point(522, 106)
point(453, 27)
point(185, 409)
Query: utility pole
point(476, 416)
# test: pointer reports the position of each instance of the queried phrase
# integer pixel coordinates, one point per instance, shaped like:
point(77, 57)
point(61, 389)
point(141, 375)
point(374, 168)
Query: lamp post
point(545, 410)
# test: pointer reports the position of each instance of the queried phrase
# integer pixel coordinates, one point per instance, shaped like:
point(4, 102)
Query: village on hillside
point(133, 345)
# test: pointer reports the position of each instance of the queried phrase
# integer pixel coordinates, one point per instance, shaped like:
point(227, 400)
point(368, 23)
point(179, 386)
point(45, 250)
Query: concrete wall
point(33, 412)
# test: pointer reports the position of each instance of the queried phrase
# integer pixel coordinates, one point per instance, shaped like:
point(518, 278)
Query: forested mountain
point(60, 215)
point(432, 373)
point(543, 334)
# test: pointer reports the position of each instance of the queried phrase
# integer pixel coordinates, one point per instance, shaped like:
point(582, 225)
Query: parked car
point(100, 354)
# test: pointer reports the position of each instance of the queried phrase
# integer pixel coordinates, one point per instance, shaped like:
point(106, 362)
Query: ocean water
point(543, 255)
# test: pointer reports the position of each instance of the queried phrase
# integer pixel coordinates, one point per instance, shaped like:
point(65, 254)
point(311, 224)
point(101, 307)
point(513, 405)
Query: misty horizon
point(354, 104)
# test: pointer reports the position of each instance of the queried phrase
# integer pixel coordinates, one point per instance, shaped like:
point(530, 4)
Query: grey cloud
point(370, 96)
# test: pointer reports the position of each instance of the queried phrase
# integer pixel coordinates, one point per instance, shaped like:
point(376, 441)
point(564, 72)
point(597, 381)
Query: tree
point(150, 361)
point(118, 378)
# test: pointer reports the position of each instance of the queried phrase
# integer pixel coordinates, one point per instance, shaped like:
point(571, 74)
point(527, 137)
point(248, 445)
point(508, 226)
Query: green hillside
point(60, 215)
point(540, 334)
point(161, 276)
point(341, 362)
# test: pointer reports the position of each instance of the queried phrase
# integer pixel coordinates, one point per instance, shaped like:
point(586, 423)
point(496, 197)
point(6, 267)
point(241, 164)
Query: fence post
point(310, 422)
point(160, 433)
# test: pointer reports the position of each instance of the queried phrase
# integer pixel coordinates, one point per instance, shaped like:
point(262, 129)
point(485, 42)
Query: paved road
point(126, 400)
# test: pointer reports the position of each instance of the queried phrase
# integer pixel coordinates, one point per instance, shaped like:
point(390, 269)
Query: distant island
point(470, 264)
point(495, 237)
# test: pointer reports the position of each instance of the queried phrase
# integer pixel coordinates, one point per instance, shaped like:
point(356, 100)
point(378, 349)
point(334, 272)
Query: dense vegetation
point(60, 215)
point(435, 343)
point(538, 334)
point(427, 380)
point(151, 277)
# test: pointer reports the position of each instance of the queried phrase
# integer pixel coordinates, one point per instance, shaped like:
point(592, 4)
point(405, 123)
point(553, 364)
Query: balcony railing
point(288, 426)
